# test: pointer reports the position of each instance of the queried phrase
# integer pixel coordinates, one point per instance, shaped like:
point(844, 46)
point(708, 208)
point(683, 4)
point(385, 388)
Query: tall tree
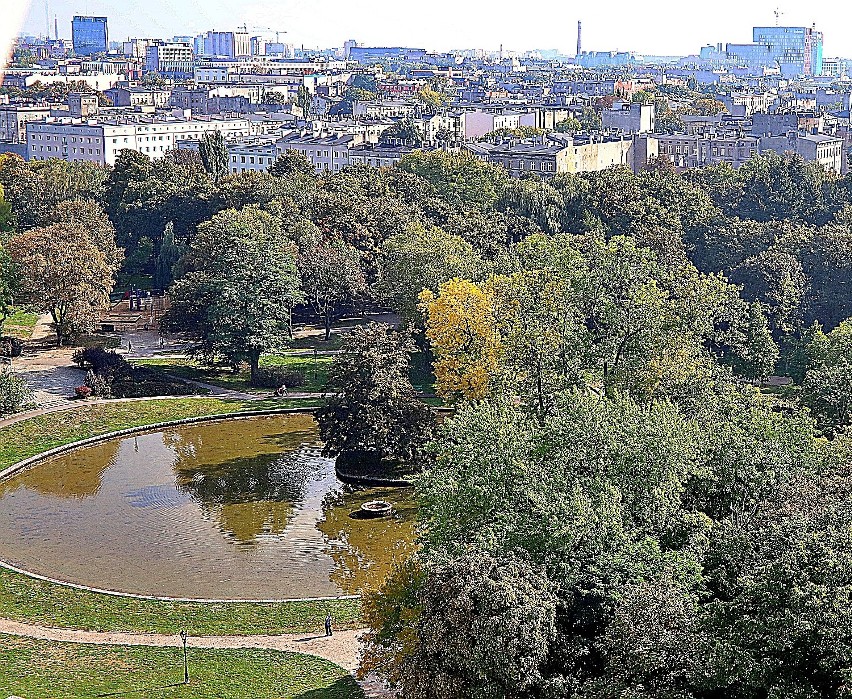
point(214, 154)
point(241, 281)
point(331, 275)
point(374, 412)
point(64, 272)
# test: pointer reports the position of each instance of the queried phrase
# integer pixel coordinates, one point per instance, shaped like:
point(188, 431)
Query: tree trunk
point(328, 325)
point(254, 361)
point(54, 313)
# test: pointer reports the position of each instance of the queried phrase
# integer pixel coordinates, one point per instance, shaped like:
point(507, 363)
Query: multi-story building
point(82, 104)
point(138, 96)
point(798, 50)
point(254, 156)
point(326, 152)
point(14, 119)
point(89, 35)
point(627, 117)
point(816, 148)
point(173, 60)
point(100, 141)
point(227, 44)
point(686, 151)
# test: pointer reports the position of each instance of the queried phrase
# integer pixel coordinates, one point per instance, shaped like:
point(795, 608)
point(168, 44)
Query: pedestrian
point(328, 624)
point(129, 346)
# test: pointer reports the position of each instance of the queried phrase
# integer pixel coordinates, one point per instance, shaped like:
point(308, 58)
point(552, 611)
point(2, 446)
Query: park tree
point(331, 275)
point(473, 626)
point(373, 414)
point(64, 272)
point(5, 213)
point(15, 392)
point(240, 283)
point(214, 154)
point(432, 98)
point(461, 325)
point(170, 254)
point(827, 385)
point(294, 164)
point(460, 178)
point(9, 281)
point(422, 258)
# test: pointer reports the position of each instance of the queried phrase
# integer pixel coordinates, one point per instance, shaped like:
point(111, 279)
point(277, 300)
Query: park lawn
point(32, 668)
point(35, 601)
point(35, 435)
point(20, 323)
point(314, 373)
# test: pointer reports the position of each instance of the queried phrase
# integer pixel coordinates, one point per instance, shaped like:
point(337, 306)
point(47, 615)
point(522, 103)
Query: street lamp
point(183, 636)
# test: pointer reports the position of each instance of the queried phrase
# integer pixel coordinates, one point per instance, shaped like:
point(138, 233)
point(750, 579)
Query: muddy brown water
point(238, 509)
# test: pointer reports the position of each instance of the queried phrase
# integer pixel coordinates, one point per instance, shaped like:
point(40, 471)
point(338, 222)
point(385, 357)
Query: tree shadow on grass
point(343, 688)
point(143, 691)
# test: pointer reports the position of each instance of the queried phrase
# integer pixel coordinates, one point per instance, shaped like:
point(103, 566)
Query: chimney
point(579, 37)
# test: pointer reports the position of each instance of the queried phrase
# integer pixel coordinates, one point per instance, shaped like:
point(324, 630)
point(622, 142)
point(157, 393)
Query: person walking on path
point(328, 624)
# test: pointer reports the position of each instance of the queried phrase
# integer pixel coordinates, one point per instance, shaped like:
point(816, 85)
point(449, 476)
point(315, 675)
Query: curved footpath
point(342, 648)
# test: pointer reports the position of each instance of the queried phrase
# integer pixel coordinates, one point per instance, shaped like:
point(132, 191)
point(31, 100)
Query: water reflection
point(236, 509)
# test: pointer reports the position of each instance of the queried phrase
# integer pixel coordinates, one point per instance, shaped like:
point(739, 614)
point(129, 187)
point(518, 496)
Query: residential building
point(138, 96)
point(326, 152)
point(816, 148)
point(14, 118)
point(82, 104)
point(89, 35)
point(252, 156)
point(376, 54)
point(101, 140)
point(630, 118)
point(174, 60)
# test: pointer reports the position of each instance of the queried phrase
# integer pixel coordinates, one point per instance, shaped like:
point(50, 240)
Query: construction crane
point(777, 14)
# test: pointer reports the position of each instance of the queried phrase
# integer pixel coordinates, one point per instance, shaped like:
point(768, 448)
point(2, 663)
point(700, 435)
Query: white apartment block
point(251, 156)
point(327, 153)
point(14, 119)
point(102, 141)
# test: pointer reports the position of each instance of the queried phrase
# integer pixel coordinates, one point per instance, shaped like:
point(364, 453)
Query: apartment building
point(815, 148)
point(14, 119)
point(101, 141)
point(326, 152)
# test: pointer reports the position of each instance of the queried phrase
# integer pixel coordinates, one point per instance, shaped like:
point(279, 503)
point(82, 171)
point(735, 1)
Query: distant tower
point(46, 19)
point(56, 27)
point(579, 38)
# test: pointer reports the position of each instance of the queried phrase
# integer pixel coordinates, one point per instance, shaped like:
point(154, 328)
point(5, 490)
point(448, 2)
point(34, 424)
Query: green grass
point(315, 376)
point(34, 601)
point(20, 323)
point(31, 669)
point(30, 437)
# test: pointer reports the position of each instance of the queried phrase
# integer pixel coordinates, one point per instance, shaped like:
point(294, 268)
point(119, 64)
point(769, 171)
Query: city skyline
point(643, 30)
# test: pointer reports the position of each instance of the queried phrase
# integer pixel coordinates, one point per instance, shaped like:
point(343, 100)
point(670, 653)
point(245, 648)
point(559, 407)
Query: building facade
point(89, 35)
point(102, 141)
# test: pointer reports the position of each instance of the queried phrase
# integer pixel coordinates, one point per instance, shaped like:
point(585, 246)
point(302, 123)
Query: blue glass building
point(89, 35)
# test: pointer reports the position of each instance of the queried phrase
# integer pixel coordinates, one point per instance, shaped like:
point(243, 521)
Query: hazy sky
point(652, 26)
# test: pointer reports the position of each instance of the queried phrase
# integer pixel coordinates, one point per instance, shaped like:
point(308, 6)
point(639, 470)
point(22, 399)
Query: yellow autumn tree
point(461, 324)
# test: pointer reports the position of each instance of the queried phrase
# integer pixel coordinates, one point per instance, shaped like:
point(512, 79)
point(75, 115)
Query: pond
point(235, 509)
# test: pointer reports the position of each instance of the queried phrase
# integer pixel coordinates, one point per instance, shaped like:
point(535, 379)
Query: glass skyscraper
point(89, 35)
point(798, 50)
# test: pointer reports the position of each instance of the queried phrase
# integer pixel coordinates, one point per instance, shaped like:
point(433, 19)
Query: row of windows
point(51, 149)
point(260, 159)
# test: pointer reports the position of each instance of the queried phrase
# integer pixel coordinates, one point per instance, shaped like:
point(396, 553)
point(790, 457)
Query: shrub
point(99, 385)
point(11, 347)
point(144, 382)
point(83, 391)
point(102, 361)
point(276, 376)
point(14, 392)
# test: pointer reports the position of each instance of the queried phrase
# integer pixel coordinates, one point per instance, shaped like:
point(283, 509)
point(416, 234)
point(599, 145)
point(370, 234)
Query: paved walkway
point(341, 649)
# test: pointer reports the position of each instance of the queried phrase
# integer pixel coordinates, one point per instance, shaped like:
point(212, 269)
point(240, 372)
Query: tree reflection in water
point(247, 478)
point(77, 475)
point(365, 551)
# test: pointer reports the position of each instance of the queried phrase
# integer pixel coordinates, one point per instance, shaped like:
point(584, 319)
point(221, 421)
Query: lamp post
point(183, 636)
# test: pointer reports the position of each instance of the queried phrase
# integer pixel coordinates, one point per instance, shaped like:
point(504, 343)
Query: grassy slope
point(33, 669)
